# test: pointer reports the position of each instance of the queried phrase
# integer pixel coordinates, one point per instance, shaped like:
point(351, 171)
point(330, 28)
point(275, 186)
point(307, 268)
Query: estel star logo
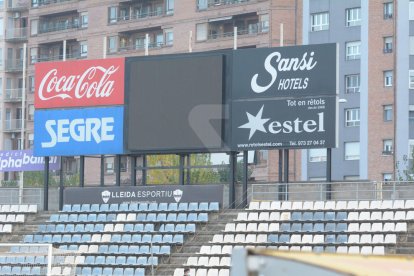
point(256, 123)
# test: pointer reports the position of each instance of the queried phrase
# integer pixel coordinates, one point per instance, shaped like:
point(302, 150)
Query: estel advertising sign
point(79, 83)
point(79, 131)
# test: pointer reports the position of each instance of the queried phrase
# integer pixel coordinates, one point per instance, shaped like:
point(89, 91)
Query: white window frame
point(201, 32)
point(353, 50)
point(387, 113)
point(388, 10)
point(84, 20)
point(387, 147)
point(411, 79)
point(319, 21)
point(352, 153)
point(411, 10)
point(353, 17)
point(388, 44)
point(351, 80)
point(387, 177)
point(169, 36)
point(352, 117)
point(388, 78)
point(114, 40)
point(83, 48)
point(317, 155)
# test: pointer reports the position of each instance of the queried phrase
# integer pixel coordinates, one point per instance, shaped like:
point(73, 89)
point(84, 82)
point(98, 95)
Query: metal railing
point(17, 5)
point(13, 95)
point(40, 3)
point(370, 190)
point(253, 29)
point(43, 58)
point(16, 34)
point(141, 15)
point(14, 65)
point(47, 27)
point(134, 47)
point(204, 4)
point(12, 125)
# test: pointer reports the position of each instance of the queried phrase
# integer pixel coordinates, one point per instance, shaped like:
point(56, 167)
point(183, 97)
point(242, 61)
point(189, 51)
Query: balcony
point(139, 10)
point(208, 4)
point(16, 34)
point(13, 95)
point(14, 125)
point(55, 26)
point(14, 65)
point(253, 29)
point(41, 3)
point(17, 5)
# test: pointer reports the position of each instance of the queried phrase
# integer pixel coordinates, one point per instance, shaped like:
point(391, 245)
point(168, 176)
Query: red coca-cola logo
point(79, 83)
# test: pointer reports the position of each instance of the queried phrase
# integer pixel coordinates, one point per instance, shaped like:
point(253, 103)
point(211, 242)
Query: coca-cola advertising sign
point(79, 83)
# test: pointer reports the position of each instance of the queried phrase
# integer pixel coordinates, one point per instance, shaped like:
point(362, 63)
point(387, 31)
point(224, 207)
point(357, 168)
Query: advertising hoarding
point(24, 160)
point(79, 83)
point(84, 131)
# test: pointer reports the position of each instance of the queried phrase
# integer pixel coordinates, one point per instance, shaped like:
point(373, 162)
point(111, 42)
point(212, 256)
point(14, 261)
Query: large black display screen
point(175, 103)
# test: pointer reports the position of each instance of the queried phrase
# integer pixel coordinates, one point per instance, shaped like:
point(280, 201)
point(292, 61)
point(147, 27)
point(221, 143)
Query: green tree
point(225, 171)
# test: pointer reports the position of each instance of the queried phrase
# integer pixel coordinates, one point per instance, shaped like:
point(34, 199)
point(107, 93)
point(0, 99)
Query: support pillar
point(46, 185)
point(133, 160)
point(245, 176)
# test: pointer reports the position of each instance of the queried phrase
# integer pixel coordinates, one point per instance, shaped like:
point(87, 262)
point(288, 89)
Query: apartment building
point(76, 29)
point(13, 35)
point(375, 41)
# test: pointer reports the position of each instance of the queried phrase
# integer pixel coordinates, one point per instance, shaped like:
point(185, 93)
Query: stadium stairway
point(203, 235)
point(405, 242)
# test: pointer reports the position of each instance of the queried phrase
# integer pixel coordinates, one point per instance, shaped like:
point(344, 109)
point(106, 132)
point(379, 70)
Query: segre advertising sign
point(24, 160)
point(79, 83)
point(79, 131)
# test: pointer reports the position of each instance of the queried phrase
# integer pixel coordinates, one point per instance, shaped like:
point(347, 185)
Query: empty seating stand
point(14, 214)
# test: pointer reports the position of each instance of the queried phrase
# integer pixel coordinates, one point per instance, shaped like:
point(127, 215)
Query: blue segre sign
point(79, 131)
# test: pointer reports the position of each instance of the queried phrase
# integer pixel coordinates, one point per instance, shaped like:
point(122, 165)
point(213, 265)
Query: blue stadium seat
point(143, 207)
point(47, 239)
point(40, 260)
point(158, 238)
point(330, 249)
point(76, 238)
point(103, 248)
point(89, 260)
point(37, 238)
point(139, 272)
point(153, 206)
point(6, 270)
point(149, 227)
point(139, 227)
point(113, 207)
point(296, 216)
point(330, 216)
point(66, 208)
point(133, 207)
point(133, 249)
point(163, 207)
point(341, 227)
point(10, 260)
point(98, 227)
point(100, 260)
point(50, 228)
point(20, 260)
point(86, 238)
point(180, 228)
point(318, 216)
point(113, 249)
point(116, 238)
point(165, 250)
point(173, 206)
point(171, 217)
point(131, 260)
point(79, 227)
point(97, 271)
point(182, 217)
point(107, 271)
point(341, 216)
point(30, 259)
point(144, 250)
point(97, 218)
point(28, 239)
point(25, 270)
point(155, 249)
point(307, 216)
point(70, 228)
point(136, 238)
point(60, 228)
point(110, 260)
point(296, 227)
point(85, 208)
point(128, 227)
point(73, 247)
point(141, 261)
point(169, 228)
point(86, 271)
point(104, 208)
point(123, 249)
point(317, 249)
point(191, 227)
point(146, 238)
point(152, 261)
point(129, 270)
point(63, 217)
point(330, 226)
point(82, 218)
point(342, 239)
point(120, 260)
point(94, 208)
point(214, 206)
point(193, 206)
point(123, 207)
point(118, 271)
point(330, 238)
point(126, 238)
point(89, 227)
point(285, 227)
point(202, 217)
point(162, 217)
point(183, 206)
point(307, 227)
point(141, 217)
point(42, 228)
point(284, 238)
point(178, 239)
point(76, 208)
point(111, 217)
point(203, 206)
point(16, 270)
point(54, 218)
point(57, 238)
point(318, 227)
point(13, 249)
point(151, 217)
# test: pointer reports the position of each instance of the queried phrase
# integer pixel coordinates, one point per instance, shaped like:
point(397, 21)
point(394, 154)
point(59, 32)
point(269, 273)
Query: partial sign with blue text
point(79, 131)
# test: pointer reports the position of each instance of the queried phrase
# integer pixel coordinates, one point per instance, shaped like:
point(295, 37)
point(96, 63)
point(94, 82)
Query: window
point(201, 31)
point(411, 45)
point(202, 4)
point(388, 10)
point(317, 155)
point(31, 112)
point(112, 44)
point(411, 79)
point(352, 117)
point(353, 50)
point(83, 48)
point(34, 26)
point(31, 84)
point(387, 176)
point(169, 37)
point(353, 17)
point(1, 27)
point(319, 21)
point(388, 44)
point(264, 23)
point(31, 140)
point(109, 165)
point(387, 147)
point(352, 84)
point(35, 3)
point(388, 78)
point(351, 150)
point(411, 10)
point(387, 113)
point(170, 6)
point(84, 19)
point(112, 14)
